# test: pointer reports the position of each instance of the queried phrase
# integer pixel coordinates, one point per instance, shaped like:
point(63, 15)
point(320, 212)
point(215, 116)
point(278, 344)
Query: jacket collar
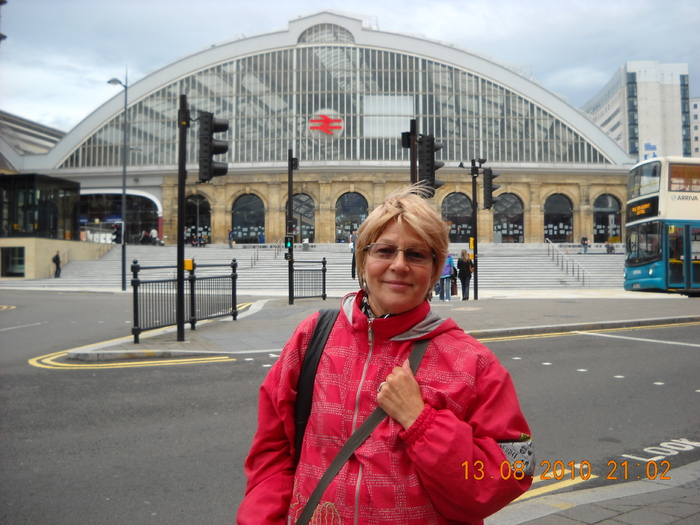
point(413, 324)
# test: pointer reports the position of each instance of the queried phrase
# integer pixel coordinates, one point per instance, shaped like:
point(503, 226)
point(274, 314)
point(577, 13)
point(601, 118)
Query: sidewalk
point(267, 323)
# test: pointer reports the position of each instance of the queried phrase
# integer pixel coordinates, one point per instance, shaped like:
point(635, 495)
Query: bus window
point(695, 254)
point(684, 177)
point(676, 273)
point(643, 243)
point(644, 180)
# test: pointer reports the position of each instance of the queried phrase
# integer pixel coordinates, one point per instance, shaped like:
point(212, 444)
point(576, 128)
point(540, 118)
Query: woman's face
point(396, 286)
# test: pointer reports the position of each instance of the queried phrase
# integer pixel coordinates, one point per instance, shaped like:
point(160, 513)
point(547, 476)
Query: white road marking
point(21, 326)
point(639, 339)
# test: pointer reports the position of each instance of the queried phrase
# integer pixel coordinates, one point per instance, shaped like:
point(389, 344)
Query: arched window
point(304, 212)
point(606, 219)
point(558, 219)
point(457, 210)
point(198, 217)
point(350, 212)
point(248, 219)
point(508, 219)
point(141, 213)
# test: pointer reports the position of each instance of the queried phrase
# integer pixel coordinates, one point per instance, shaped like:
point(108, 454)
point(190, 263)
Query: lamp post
point(125, 151)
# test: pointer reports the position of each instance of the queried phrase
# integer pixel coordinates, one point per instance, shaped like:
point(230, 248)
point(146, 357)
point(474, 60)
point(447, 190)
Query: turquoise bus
point(663, 226)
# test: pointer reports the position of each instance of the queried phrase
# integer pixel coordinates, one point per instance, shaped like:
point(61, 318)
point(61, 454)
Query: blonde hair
point(405, 206)
point(464, 256)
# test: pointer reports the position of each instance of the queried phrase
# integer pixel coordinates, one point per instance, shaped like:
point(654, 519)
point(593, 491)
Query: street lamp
point(125, 151)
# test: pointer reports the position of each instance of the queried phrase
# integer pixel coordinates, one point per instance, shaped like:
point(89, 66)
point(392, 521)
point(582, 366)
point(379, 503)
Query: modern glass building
point(339, 93)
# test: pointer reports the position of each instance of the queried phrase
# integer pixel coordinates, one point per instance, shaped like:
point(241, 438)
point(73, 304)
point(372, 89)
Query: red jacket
point(446, 468)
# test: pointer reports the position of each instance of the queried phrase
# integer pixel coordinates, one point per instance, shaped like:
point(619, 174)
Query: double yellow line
point(49, 361)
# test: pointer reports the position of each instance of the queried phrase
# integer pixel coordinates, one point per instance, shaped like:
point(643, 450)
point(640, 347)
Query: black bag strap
point(354, 441)
point(307, 375)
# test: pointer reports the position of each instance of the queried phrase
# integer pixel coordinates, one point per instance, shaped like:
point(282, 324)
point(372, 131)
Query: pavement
point(265, 323)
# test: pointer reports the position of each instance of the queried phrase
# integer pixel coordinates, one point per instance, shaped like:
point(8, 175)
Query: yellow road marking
point(554, 486)
point(3, 307)
point(579, 332)
point(49, 361)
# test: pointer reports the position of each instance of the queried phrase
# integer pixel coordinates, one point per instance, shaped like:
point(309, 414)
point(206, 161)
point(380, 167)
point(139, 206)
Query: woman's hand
point(400, 396)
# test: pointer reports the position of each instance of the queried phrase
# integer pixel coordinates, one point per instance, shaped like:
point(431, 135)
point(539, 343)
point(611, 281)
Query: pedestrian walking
point(154, 236)
point(465, 268)
point(352, 239)
point(459, 410)
point(584, 243)
point(230, 239)
point(57, 261)
point(446, 278)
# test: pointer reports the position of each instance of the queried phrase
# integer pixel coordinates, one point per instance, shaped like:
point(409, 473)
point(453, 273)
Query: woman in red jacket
point(455, 446)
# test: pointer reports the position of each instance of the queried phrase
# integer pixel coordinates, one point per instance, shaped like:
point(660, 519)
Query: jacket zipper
point(370, 337)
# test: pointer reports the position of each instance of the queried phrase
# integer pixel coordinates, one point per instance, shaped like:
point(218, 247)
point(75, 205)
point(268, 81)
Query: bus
point(663, 226)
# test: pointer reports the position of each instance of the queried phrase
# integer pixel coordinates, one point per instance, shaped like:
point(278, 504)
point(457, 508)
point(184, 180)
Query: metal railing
point(279, 247)
point(568, 265)
point(255, 257)
point(155, 301)
point(310, 282)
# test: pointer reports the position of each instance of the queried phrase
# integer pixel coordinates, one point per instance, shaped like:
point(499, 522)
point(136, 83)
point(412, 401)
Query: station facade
point(339, 93)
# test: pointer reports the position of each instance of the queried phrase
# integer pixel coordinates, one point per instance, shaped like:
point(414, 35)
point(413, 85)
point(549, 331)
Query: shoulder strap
point(354, 441)
point(307, 375)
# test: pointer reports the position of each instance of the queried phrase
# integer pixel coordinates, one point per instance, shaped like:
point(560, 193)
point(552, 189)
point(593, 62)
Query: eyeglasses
point(388, 252)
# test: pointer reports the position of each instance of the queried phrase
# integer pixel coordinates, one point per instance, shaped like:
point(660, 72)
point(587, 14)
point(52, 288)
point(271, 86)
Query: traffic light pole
point(414, 151)
point(290, 221)
point(475, 207)
point(183, 123)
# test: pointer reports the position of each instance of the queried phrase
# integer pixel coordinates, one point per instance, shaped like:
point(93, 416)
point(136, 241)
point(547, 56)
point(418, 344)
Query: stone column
point(534, 216)
point(274, 213)
point(219, 220)
point(583, 224)
point(325, 219)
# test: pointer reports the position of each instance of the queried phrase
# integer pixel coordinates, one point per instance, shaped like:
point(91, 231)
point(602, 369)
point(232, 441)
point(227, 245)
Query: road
point(166, 444)
point(605, 397)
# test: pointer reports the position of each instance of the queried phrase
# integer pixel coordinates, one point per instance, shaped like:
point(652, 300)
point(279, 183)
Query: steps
point(501, 266)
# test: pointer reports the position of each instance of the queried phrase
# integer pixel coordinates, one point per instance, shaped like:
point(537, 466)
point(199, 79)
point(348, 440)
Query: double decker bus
point(663, 226)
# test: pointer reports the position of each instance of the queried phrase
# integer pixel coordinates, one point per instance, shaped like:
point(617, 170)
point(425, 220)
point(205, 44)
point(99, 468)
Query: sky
point(59, 54)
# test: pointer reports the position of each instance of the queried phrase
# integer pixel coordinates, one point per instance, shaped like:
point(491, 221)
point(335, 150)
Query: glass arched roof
point(331, 98)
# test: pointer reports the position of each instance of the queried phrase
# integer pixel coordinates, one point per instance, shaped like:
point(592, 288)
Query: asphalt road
point(605, 397)
point(165, 444)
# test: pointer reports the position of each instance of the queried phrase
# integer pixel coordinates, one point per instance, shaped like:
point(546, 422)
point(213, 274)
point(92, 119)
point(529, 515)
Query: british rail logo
point(326, 124)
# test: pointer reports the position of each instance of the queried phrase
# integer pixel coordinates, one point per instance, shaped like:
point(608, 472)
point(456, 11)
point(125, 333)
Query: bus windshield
point(643, 243)
point(644, 180)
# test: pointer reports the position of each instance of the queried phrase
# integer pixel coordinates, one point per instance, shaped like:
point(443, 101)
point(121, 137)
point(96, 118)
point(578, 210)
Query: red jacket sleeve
point(440, 445)
point(270, 465)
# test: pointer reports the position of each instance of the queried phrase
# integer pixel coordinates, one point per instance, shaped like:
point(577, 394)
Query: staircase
point(260, 272)
point(528, 267)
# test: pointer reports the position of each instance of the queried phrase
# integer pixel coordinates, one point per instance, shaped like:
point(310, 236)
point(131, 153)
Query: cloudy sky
point(59, 54)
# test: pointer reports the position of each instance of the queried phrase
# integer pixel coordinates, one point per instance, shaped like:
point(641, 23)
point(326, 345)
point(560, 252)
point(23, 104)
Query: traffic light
point(489, 188)
point(289, 245)
point(427, 165)
point(209, 146)
point(117, 234)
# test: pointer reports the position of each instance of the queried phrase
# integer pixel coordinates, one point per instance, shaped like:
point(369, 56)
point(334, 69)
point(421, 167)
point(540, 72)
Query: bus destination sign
point(643, 209)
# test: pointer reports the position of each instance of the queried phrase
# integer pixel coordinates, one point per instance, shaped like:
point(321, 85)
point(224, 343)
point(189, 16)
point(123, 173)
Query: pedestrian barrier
point(207, 297)
point(310, 282)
